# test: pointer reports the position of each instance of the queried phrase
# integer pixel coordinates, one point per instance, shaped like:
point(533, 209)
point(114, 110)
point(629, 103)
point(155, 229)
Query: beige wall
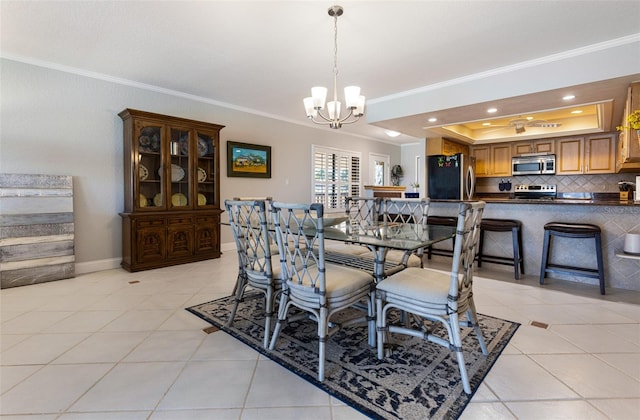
point(59, 123)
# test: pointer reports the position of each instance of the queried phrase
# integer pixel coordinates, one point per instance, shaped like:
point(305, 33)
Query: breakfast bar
point(615, 218)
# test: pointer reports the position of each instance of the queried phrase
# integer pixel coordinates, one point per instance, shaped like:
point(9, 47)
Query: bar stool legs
point(503, 225)
point(572, 230)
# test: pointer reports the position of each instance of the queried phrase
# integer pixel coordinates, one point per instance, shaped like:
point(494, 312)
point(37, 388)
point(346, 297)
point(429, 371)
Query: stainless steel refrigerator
point(451, 177)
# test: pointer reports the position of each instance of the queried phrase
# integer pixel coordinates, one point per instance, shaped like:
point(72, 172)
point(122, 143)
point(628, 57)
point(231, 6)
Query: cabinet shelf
point(163, 222)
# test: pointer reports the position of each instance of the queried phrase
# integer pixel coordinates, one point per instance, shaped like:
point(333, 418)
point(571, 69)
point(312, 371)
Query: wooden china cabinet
point(171, 190)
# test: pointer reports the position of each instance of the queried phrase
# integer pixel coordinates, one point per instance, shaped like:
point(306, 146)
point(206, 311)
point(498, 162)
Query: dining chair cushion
point(341, 247)
point(340, 281)
point(396, 256)
point(259, 278)
point(418, 284)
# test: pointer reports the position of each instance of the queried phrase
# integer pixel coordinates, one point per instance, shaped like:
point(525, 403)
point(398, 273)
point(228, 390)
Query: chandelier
point(315, 104)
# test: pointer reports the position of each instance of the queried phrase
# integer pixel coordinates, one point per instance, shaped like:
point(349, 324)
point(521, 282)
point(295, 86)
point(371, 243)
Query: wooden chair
point(429, 295)
point(255, 269)
point(320, 288)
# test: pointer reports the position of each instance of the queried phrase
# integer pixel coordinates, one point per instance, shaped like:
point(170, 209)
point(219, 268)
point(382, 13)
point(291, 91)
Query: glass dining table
point(380, 238)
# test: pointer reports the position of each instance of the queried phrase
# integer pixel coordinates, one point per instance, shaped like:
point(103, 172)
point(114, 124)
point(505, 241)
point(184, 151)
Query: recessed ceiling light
point(568, 97)
point(432, 119)
point(577, 111)
point(492, 110)
point(529, 118)
point(392, 133)
point(485, 124)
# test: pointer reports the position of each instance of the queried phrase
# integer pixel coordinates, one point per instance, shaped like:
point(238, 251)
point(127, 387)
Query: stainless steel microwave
point(533, 165)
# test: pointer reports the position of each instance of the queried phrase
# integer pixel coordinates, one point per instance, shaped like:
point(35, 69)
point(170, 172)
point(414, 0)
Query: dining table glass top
point(388, 235)
point(402, 236)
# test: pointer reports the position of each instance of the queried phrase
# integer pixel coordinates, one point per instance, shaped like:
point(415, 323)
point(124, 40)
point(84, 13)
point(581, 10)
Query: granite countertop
point(593, 199)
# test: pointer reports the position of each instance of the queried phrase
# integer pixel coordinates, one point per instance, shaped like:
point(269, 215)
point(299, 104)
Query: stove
point(535, 191)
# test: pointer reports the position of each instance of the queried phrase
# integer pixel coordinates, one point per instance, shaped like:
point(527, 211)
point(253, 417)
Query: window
point(336, 176)
point(378, 169)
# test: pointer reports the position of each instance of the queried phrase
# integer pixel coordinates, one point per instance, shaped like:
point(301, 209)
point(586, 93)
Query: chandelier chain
point(335, 44)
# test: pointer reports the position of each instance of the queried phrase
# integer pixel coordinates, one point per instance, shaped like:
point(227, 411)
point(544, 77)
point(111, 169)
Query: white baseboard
point(111, 263)
point(99, 265)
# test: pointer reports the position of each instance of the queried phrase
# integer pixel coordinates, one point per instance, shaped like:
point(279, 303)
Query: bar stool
point(503, 225)
point(572, 230)
point(441, 221)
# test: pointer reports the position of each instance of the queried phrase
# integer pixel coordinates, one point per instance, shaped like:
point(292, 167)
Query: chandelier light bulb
point(311, 111)
point(319, 95)
point(333, 108)
point(351, 95)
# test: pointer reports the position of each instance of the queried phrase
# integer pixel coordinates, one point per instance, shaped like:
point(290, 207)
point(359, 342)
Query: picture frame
point(247, 160)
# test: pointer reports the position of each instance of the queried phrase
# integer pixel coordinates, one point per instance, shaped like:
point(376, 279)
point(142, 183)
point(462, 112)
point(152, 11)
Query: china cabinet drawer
point(150, 223)
point(207, 220)
point(180, 220)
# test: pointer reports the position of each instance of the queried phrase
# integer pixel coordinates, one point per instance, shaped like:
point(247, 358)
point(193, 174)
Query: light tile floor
point(118, 345)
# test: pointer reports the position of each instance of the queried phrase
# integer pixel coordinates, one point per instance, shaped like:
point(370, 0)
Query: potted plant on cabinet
point(633, 121)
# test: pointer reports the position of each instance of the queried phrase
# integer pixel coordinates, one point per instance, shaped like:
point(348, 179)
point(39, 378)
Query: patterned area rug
point(419, 381)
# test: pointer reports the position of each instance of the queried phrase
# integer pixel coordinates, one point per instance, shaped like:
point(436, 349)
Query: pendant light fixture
point(315, 104)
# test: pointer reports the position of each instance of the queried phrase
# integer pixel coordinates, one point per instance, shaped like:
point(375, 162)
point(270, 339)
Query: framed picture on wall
point(248, 160)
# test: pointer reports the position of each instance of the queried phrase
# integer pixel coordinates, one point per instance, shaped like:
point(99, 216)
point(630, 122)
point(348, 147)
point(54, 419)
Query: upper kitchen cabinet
point(600, 153)
point(492, 160)
point(172, 190)
point(442, 146)
point(593, 154)
point(628, 150)
point(545, 146)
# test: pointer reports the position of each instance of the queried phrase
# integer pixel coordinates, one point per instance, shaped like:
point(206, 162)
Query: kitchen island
point(615, 218)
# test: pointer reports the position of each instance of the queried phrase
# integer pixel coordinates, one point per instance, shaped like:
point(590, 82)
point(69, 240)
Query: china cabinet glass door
point(178, 171)
point(206, 176)
point(149, 147)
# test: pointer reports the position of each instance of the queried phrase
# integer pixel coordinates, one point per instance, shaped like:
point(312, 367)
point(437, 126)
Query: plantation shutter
point(336, 176)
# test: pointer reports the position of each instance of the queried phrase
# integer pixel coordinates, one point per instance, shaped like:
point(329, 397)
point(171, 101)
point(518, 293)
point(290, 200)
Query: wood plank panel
point(29, 219)
point(33, 275)
point(33, 251)
point(36, 229)
point(37, 204)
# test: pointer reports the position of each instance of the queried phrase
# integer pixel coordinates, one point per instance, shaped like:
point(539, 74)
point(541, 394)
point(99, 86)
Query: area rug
point(419, 381)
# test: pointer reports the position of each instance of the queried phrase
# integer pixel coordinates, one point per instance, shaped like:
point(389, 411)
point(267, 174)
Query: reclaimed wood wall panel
point(36, 229)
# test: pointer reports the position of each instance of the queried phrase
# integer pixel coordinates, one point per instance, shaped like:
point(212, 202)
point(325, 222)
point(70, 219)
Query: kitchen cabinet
point(628, 150)
point(172, 190)
point(546, 146)
point(593, 154)
point(569, 156)
point(492, 160)
point(600, 153)
point(442, 146)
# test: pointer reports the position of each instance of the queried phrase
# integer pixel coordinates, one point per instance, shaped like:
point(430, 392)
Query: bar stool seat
point(503, 225)
point(441, 221)
point(572, 230)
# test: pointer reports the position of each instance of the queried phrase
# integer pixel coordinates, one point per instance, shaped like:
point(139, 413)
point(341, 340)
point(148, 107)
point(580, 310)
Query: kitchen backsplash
point(565, 183)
